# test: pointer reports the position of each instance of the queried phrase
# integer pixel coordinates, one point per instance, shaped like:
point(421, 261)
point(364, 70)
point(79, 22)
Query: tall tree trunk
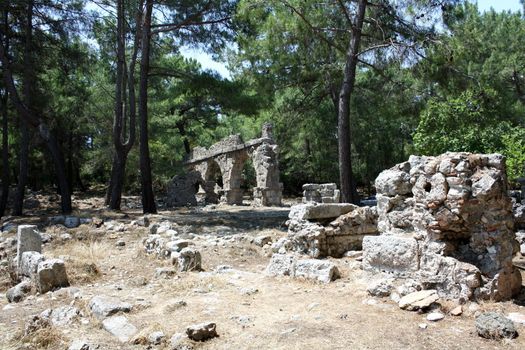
point(23, 169)
point(23, 158)
point(37, 122)
point(5, 131)
point(348, 185)
point(122, 146)
point(5, 156)
point(148, 198)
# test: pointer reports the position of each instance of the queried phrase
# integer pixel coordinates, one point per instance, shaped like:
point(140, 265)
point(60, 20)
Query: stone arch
point(230, 156)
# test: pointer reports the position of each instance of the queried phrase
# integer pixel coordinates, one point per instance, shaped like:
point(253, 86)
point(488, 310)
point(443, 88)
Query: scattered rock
point(494, 325)
point(180, 342)
point(202, 331)
point(18, 292)
point(156, 338)
point(102, 306)
point(61, 316)
point(435, 316)
point(457, 311)
point(51, 274)
point(119, 327)
point(262, 240)
point(423, 326)
point(35, 323)
point(164, 272)
point(120, 243)
point(79, 345)
point(418, 300)
point(517, 317)
point(71, 221)
point(249, 291)
point(188, 259)
point(380, 288)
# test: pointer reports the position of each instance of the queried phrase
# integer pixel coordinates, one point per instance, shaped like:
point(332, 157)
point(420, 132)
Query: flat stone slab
point(315, 211)
point(119, 327)
point(418, 300)
point(103, 306)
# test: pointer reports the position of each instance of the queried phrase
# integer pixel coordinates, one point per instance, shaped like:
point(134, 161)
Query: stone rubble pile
point(33, 268)
point(321, 230)
point(166, 243)
point(446, 223)
point(321, 193)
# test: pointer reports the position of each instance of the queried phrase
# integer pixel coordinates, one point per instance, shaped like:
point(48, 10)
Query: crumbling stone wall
point(447, 223)
point(229, 156)
point(321, 193)
point(321, 230)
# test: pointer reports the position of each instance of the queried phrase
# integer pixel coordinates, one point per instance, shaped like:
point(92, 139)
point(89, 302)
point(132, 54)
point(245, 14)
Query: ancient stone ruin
point(225, 160)
point(321, 193)
point(446, 223)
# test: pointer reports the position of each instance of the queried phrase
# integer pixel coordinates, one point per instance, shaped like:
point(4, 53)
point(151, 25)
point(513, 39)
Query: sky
point(208, 63)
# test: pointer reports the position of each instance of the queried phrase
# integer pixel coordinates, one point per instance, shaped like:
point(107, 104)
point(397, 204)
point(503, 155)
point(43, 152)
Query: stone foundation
point(321, 230)
point(447, 223)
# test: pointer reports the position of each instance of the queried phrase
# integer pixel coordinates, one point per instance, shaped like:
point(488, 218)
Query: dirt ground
point(251, 310)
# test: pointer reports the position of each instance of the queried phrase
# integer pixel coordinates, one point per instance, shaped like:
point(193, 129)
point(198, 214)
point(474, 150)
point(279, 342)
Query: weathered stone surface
point(28, 240)
point(51, 274)
point(120, 327)
point(18, 293)
point(202, 331)
point(397, 255)
point(179, 341)
point(318, 270)
point(380, 288)
point(493, 325)
point(447, 222)
point(104, 306)
point(292, 265)
point(188, 259)
point(316, 211)
point(457, 311)
point(29, 263)
point(61, 316)
point(321, 193)
point(418, 300)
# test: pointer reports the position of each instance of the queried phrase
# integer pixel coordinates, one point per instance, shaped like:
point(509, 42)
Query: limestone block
point(51, 274)
point(318, 270)
point(28, 240)
point(315, 211)
point(104, 306)
point(29, 263)
point(120, 327)
point(397, 255)
point(188, 259)
point(391, 182)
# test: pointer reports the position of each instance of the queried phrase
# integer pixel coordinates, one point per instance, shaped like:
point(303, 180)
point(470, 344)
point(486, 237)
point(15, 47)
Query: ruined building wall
point(447, 223)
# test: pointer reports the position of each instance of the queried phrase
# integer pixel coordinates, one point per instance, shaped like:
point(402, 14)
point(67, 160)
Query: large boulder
point(51, 274)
